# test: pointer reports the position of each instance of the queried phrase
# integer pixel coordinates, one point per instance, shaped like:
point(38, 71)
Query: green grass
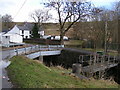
point(52, 32)
point(73, 42)
point(27, 73)
point(109, 52)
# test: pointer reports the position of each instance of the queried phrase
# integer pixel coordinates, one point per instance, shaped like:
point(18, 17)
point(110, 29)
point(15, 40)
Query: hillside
point(27, 73)
point(49, 28)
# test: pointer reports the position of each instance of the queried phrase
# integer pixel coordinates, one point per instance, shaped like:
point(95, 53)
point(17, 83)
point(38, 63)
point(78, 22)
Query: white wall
point(25, 33)
point(16, 38)
point(5, 39)
point(20, 32)
point(12, 36)
point(41, 33)
point(1, 33)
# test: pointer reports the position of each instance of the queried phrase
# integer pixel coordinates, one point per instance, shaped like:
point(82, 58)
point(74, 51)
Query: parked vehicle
point(46, 36)
point(57, 38)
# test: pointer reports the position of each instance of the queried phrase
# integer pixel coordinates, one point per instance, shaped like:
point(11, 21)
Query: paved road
point(6, 55)
point(4, 63)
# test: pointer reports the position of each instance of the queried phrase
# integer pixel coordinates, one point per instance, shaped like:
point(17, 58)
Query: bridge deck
point(98, 67)
point(37, 48)
point(43, 53)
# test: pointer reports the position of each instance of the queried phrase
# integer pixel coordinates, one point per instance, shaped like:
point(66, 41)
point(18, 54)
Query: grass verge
point(73, 42)
point(27, 73)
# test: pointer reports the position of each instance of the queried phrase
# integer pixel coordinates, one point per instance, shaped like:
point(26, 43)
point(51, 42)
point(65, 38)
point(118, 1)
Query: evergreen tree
point(35, 31)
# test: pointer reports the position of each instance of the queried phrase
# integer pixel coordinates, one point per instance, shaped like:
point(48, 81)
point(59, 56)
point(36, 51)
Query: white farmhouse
point(26, 30)
point(12, 36)
point(18, 33)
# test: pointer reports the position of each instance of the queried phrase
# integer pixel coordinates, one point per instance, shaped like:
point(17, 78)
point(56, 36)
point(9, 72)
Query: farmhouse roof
point(26, 26)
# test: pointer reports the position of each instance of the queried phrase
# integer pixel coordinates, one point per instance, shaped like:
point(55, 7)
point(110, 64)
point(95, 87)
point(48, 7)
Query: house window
point(23, 36)
point(30, 36)
point(30, 32)
point(6, 36)
point(26, 37)
point(22, 31)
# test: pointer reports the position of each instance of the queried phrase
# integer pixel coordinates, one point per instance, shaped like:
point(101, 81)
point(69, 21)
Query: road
point(6, 55)
point(3, 64)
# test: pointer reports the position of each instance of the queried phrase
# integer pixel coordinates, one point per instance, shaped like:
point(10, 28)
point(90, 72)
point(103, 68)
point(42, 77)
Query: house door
point(26, 37)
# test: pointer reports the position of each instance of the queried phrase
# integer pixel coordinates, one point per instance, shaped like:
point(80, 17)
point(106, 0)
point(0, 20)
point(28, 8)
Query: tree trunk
point(61, 39)
point(61, 35)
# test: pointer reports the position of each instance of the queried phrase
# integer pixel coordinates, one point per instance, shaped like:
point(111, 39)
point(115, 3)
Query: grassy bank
point(73, 43)
point(27, 73)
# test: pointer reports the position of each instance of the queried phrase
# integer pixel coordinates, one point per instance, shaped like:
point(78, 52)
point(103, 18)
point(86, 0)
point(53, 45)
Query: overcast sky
point(12, 7)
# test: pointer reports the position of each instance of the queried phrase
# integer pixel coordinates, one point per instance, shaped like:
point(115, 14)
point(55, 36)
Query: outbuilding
point(12, 38)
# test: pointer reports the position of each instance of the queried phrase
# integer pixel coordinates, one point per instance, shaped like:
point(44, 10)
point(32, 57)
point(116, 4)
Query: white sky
point(12, 7)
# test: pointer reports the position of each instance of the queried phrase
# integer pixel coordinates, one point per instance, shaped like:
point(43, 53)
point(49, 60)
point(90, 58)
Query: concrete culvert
point(76, 68)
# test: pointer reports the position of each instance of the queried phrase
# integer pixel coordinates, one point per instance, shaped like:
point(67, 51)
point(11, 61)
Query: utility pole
point(119, 33)
point(106, 32)
point(118, 14)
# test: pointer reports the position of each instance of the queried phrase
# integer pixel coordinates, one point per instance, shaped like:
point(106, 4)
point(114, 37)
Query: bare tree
point(40, 16)
point(99, 30)
point(69, 13)
point(7, 19)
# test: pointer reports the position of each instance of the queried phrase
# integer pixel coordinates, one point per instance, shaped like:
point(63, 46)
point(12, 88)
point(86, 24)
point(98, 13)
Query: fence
point(97, 59)
point(113, 46)
point(35, 48)
point(43, 41)
point(97, 64)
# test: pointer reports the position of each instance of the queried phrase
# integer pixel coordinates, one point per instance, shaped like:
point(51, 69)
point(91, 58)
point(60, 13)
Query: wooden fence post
point(31, 48)
point(39, 47)
point(90, 60)
point(108, 59)
point(48, 47)
point(114, 59)
point(82, 59)
point(16, 52)
point(95, 59)
point(103, 59)
point(25, 50)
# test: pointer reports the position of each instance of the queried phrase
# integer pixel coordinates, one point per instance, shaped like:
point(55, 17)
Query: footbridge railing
point(36, 48)
point(89, 65)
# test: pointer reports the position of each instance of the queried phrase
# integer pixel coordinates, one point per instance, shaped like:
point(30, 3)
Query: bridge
point(89, 65)
point(35, 51)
